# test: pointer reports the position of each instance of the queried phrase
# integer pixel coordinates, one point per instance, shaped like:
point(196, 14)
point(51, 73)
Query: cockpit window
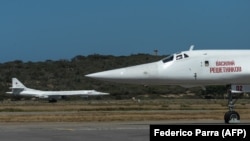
point(178, 57)
point(167, 59)
point(181, 56)
point(174, 57)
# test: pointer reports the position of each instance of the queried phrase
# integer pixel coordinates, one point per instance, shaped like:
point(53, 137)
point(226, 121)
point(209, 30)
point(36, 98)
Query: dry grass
point(77, 111)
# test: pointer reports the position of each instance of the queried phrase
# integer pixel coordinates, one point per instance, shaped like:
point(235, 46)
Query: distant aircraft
point(19, 89)
point(189, 69)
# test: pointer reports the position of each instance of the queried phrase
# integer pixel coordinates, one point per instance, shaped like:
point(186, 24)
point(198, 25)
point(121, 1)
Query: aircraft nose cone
point(111, 74)
point(134, 74)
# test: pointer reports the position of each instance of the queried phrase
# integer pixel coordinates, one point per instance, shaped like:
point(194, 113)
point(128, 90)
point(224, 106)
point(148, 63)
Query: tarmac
point(87, 131)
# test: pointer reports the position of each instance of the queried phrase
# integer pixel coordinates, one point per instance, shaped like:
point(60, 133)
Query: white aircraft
point(192, 68)
point(19, 89)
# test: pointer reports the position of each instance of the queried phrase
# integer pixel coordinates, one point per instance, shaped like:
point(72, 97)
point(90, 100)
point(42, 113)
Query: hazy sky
point(38, 30)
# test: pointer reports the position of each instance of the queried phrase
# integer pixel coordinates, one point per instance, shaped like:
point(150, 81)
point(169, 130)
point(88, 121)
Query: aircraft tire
point(231, 115)
point(52, 100)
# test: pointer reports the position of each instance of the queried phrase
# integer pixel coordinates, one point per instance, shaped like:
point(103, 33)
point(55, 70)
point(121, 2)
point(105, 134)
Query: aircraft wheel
point(231, 115)
point(52, 100)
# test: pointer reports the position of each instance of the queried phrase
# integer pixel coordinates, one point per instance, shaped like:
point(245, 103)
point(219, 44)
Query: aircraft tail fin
point(16, 84)
point(17, 87)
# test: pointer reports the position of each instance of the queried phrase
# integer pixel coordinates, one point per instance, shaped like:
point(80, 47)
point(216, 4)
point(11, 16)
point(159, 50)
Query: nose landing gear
point(232, 116)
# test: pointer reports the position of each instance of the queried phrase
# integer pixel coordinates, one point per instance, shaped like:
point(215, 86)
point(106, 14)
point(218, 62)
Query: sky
point(40, 30)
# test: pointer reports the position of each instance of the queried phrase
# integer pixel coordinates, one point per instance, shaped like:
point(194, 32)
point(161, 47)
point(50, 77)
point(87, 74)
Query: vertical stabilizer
point(16, 84)
point(17, 87)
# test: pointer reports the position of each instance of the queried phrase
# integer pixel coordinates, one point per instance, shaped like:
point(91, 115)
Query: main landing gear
point(52, 100)
point(232, 116)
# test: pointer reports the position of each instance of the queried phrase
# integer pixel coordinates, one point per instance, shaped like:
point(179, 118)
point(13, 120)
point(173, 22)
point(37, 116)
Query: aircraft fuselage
point(188, 68)
point(191, 68)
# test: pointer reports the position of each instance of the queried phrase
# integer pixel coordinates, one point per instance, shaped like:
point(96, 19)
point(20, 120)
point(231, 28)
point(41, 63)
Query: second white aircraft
point(18, 88)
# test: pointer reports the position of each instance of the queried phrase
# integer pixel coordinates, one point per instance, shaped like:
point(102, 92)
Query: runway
point(87, 131)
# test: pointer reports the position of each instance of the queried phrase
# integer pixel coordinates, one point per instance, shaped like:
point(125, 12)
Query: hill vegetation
point(70, 75)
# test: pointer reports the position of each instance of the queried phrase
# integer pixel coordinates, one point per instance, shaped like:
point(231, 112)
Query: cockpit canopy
point(178, 56)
